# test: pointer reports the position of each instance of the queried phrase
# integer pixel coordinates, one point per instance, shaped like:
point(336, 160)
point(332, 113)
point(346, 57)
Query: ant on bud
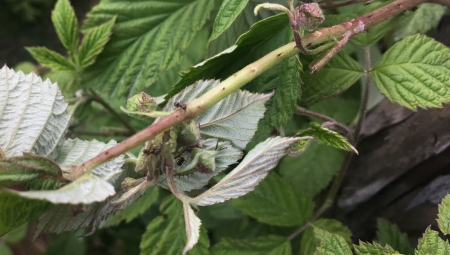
point(180, 105)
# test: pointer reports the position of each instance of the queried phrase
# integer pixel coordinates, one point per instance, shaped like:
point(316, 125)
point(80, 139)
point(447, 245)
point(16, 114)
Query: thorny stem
point(334, 189)
point(242, 77)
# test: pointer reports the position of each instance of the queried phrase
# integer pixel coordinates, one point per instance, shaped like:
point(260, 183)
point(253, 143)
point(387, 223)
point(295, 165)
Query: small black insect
point(180, 105)
point(146, 152)
point(156, 151)
point(180, 160)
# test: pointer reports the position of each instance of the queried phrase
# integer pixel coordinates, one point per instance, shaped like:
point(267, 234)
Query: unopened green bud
point(189, 134)
point(206, 161)
point(141, 102)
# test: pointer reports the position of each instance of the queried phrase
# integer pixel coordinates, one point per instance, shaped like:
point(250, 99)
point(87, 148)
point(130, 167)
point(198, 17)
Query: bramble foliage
point(221, 126)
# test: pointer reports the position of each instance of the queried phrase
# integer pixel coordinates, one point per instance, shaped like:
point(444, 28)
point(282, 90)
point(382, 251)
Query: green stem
point(242, 77)
point(334, 189)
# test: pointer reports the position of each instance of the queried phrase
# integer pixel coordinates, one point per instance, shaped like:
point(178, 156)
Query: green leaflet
point(415, 72)
point(390, 234)
point(66, 24)
point(335, 77)
point(313, 170)
point(432, 244)
point(19, 170)
point(149, 38)
point(92, 186)
point(166, 234)
point(51, 59)
point(17, 210)
point(288, 91)
point(373, 249)
point(93, 43)
point(135, 209)
point(258, 41)
point(309, 242)
point(244, 177)
point(271, 245)
point(426, 17)
point(330, 244)
point(444, 215)
point(22, 97)
point(327, 137)
point(276, 202)
point(228, 12)
point(67, 244)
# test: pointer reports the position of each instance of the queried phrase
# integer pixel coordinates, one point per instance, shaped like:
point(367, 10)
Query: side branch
point(248, 73)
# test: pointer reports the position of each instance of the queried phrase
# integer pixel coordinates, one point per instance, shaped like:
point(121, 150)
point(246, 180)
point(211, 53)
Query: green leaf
point(258, 41)
point(66, 24)
point(192, 223)
point(26, 99)
point(135, 209)
point(390, 234)
point(327, 137)
point(288, 91)
point(17, 210)
point(426, 17)
point(432, 244)
point(93, 43)
point(5, 250)
point(19, 170)
point(276, 202)
point(252, 169)
point(313, 170)
point(67, 244)
point(149, 38)
point(228, 12)
point(92, 186)
point(166, 234)
point(51, 59)
point(235, 118)
point(373, 249)
point(331, 244)
point(335, 77)
point(415, 72)
point(444, 215)
point(309, 242)
point(270, 245)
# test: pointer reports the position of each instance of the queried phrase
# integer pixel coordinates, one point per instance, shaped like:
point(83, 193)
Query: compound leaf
point(444, 215)
point(93, 43)
point(276, 202)
point(19, 170)
point(149, 37)
point(309, 242)
point(228, 12)
point(91, 187)
point(328, 137)
point(288, 91)
point(415, 72)
point(373, 249)
point(33, 115)
point(51, 59)
point(17, 210)
point(431, 243)
point(390, 234)
point(271, 245)
point(66, 24)
point(253, 168)
point(335, 77)
point(330, 244)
